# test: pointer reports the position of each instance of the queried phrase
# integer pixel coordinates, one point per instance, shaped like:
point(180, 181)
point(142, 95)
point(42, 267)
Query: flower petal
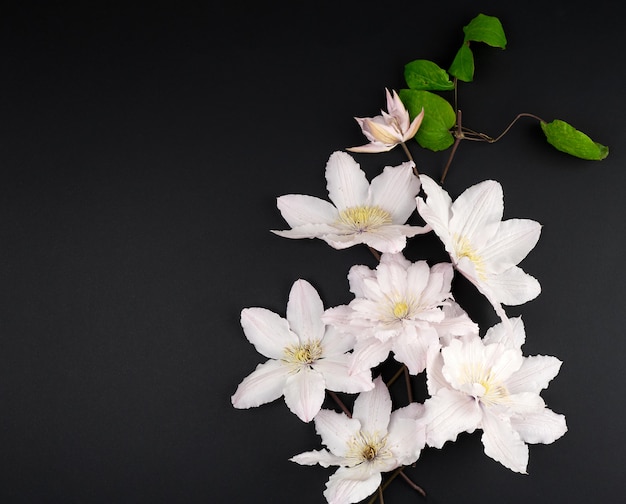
point(373, 408)
point(336, 429)
point(369, 352)
point(394, 190)
point(436, 209)
point(411, 347)
point(304, 312)
point(534, 374)
point(477, 212)
point(321, 457)
point(304, 393)
point(448, 414)
point(346, 182)
point(513, 241)
point(300, 209)
point(503, 444)
point(339, 379)
point(351, 484)
point(544, 426)
point(513, 287)
point(267, 331)
point(265, 384)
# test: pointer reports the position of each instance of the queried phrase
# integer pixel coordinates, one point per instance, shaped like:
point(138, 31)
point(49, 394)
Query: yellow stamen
point(463, 248)
point(364, 218)
point(400, 310)
point(305, 353)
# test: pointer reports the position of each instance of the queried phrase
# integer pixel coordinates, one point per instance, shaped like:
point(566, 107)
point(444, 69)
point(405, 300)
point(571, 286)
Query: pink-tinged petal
point(512, 336)
point(427, 283)
point(299, 209)
point(382, 131)
point(336, 343)
point(397, 110)
point(304, 393)
point(265, 384)
point(448, 414)
point(356, 276)
point(392, 238)
point(346, 182)
point(513, 287)
point(368, 353)
point(394, 190)
point(392, 279)
point(534, 374)
point(321, 457)
point(371, 148)
point(435, 380)
point(397, 259)
point(268, 332)
point(338, 317)
point(411, 347)
point(455, 323)
point(304, 312)
point(343, 241)
point(337, 377)
point(477, 212)
point(351, 484)
point(336, 429)
point(405, 439)
point(524, 403)
point(411, 131)
point(513, 241)
point(306, 231)
point(504, 444)
point(373, 408)
point(544, 426)
point(436, 209)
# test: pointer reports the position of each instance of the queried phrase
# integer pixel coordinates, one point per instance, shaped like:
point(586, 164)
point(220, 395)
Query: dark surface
point(141, 152)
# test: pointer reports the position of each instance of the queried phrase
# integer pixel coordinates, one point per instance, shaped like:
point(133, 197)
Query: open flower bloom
point(374, 214)
point(372, 442)
point(305, 357)
point(488, 384)
point(483, 248)
point(389, 129)
point(398, 308)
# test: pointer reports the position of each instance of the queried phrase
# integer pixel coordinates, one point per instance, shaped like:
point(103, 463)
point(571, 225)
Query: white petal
point(513, 287)
point(351, 484)
point(511, 335)
point(304, 393)
point(436, 210)
point(346, 182)
point(321, 457)
point(369, 352)
point(299, 209)
point(373, 408)
point(391, 238)
point(391, 280)
point(405, 439)
point(337, 376)
point(267, 331)
point(434, 377)
point(534, 374)
point(265, 384)
point(448, 414)
point(477, 212)
point(513, 241)
point(336, 343)
point(411, 347)
point(394, 190)
point(544, 426)
point(306, 231)
point(336, 429)
point(504, 444)
point(356, 275)
point(304, 312)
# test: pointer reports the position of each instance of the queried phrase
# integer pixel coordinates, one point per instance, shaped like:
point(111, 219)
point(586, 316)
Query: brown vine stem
point(396, 376)
point(407, 379)
point(458, 136)
point(398, 472)
point(340, 403)
point(375, 253)
point(413, 485)
point(408, 154)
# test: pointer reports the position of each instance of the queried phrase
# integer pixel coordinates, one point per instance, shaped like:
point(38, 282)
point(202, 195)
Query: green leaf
point(463, 65)
point(487, 29)
point(424, 74)
point(566, 138)
point(439, 117)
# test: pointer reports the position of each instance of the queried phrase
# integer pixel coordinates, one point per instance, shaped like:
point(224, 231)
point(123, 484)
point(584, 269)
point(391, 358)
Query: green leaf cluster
point(425, 79)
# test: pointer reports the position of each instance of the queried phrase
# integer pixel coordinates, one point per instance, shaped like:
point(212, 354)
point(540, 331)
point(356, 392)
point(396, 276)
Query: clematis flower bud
point(389, 129)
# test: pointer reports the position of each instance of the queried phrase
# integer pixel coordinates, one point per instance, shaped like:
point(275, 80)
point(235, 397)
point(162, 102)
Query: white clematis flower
point(305, 356)
point(488, 384)
point(483, 248)
point(374, 214)
point(399, 308)
point(372, 442)
point(389, 129)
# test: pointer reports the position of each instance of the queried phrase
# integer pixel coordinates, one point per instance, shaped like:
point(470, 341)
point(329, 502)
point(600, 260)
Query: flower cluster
point(406, 311)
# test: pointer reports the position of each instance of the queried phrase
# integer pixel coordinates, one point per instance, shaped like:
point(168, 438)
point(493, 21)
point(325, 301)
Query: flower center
point(305, 353)
point(365, 447)
point(400, 310)
point(364, 218)
point(463, 248)
point(484, 385)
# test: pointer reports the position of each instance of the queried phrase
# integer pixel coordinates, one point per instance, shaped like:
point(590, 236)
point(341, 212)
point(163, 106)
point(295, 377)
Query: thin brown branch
point(409, 389)
point(458, 136)
point(396, 376)
point(340, 403)
point(408, 154)
point(413, 485)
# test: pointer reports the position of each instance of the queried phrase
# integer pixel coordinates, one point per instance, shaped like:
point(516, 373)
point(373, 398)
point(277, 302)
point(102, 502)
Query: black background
point(141, 152)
